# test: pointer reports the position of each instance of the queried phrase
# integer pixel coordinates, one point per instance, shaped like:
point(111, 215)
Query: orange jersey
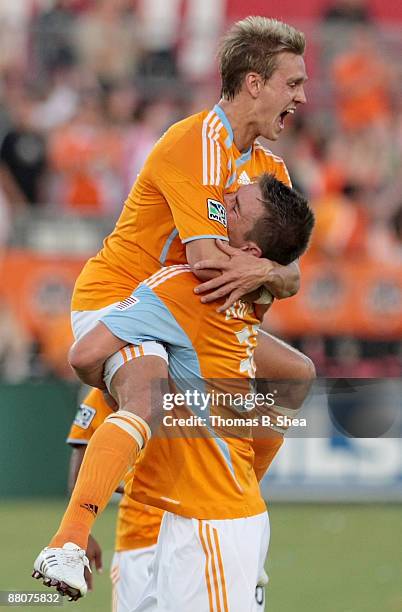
point(177, 197)
point(195, 469)
point(137, 524)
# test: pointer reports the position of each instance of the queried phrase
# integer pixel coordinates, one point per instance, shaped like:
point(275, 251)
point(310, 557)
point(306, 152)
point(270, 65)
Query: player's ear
point(251, 248)
point(253, 83)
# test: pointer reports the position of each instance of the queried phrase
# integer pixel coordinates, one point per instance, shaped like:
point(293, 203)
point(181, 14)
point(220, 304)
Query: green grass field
point(323, 558)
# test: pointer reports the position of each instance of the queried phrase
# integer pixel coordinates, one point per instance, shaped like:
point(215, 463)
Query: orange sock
point(111, 452)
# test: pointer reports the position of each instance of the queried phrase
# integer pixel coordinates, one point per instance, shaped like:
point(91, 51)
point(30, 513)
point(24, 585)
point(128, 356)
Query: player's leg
point(133, 375)
point(283, 370)
point(130, 573)
point(113, 448)
point(111, 452)
point(208, 565)
point(259, 593)
point(115, 445)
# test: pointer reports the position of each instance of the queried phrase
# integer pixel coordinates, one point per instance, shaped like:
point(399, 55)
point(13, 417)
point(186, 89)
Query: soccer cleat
point(260, 592)
point(63, 568)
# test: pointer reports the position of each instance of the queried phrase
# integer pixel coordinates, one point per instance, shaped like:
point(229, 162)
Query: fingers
point(214, 283)
point(94, 554)
point(233, 297)
point(98, 560)
point(95, 559)
point(211, 264)
point(219, 264)
point(88, 578)
point(219, 293)
point(224, 246)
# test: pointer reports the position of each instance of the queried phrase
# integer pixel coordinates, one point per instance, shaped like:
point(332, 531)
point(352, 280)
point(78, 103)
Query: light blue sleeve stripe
point(222, 116)
point(245, 157)
point(205, 236)
point(231, 179)
point(224, 449)
point(167, 246)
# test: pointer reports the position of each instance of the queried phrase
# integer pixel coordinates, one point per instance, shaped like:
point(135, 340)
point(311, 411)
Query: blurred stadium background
point(86, 88)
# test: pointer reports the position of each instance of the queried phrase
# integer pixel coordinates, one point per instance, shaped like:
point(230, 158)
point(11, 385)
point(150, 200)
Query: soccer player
point(202, 343)
point(138, 524)
point(173, 215)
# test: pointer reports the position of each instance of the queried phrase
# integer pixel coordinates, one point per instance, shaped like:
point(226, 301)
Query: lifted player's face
point(243, 208)
point(280, 95)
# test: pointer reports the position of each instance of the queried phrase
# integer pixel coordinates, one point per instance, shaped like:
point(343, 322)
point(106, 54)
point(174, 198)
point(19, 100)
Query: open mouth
point(282, 116)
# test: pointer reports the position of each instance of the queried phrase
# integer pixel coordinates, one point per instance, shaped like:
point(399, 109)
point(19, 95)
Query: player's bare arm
point(281, 281)
point(204, 250)
point(231, 271)
point(243, 207)
point(242, 273)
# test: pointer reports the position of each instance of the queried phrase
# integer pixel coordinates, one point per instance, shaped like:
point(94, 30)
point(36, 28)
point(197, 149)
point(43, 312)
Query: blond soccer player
point(172, 216)
point(203, 343)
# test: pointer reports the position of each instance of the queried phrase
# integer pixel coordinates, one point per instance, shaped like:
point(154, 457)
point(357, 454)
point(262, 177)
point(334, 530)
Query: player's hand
point(94, 554)
point(241, 274)
point(283, 281)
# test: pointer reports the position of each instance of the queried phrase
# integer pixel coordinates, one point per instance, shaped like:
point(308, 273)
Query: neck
point(240, 118)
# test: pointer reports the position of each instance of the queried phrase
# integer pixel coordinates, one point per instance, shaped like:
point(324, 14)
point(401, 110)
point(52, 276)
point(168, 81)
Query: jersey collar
point(241, 157)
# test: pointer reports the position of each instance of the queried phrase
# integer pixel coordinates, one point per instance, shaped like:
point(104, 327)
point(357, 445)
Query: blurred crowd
point(88, 86)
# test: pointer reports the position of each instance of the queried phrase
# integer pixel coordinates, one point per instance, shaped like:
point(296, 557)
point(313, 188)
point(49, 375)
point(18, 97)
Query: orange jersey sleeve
point(192, 176)
point(92, 411)
point(265, 449)
point(138, 524)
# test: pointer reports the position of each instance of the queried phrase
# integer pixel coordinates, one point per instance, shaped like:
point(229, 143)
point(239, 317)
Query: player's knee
point(299, 367)
point(307, 368)
point(83, 356)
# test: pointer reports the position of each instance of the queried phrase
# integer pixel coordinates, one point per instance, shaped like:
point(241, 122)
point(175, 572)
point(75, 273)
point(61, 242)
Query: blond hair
point(252, 45)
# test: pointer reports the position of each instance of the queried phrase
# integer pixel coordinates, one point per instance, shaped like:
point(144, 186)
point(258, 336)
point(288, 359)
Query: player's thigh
point(210, 565)
point(276, 359)
point(139, 384)
point(130, 573)
point(244, 545)
point(292, 372)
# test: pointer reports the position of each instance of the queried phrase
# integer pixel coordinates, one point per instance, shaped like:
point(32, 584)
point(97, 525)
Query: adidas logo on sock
point(91, 507)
